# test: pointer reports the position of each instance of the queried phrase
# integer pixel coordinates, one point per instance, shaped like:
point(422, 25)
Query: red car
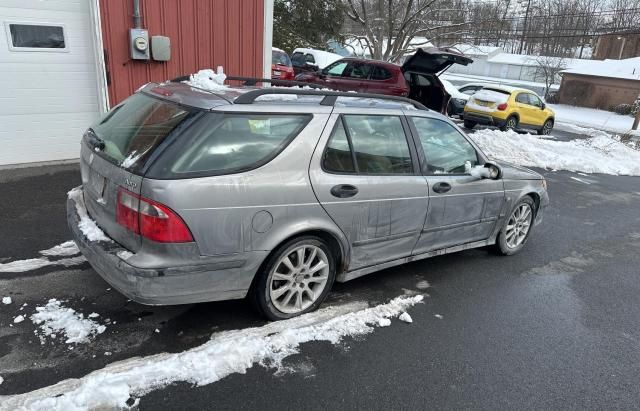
point(281, 67)
point(417, 78)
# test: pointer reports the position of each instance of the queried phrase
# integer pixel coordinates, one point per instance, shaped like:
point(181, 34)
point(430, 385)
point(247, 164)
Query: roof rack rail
point(329, 99)
point(252, 81)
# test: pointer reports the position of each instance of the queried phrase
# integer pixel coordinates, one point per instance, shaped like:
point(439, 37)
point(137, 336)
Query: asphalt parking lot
point(552, 327)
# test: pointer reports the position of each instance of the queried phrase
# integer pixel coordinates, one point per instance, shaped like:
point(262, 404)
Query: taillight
point(502, 107)
point(150, 219)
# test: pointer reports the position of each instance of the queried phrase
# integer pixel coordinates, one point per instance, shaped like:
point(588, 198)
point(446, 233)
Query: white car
point(457, 101)
point(305, 59)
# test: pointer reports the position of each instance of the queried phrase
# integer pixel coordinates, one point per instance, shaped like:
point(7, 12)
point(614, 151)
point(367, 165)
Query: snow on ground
point(66, 249)
point(226, 353)
point(6, 300)
point(55, 320)
point(20, 266)
point(600, 154)
point(88, 227)
point(18, 319)
point(592, 118)
point(405, 317)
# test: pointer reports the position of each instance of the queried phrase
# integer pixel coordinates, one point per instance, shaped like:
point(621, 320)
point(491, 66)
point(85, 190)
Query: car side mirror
point(543, 106)
point(495, 171)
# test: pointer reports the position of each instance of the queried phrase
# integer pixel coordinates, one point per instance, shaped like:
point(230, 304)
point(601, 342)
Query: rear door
point(365, 174)
point(114, 152)
point(338, 76)
point(462, 208)
point(524, 108)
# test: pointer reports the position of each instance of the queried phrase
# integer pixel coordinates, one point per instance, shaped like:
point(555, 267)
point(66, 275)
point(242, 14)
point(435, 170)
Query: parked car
point(188, 196)
point(306, 59)
point(417, 78)
point(470, 88)
point(281, 67)
point(457, 101)
point(509, 108)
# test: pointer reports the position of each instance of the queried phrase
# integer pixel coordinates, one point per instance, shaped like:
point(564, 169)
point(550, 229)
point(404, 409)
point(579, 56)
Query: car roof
point(226, 96)
point(508, 89)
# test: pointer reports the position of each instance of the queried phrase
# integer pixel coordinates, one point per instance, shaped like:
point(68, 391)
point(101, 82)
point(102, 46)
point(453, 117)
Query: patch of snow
point(6, 300)
point(384, 322)
point(438, 316)
point(405, 317)
point(423, 285)
point(18, 319)
point(580, 180)
point(208, 79)
point(124, 255)
point(226, 353)
point(576, 129)
point(591, 118)
point(93, 315)
point(54, 319)
point(66, 249)
point(88, 227)
point(131, 159)
point(1, 380)
point(21, 266)
point(598, 154)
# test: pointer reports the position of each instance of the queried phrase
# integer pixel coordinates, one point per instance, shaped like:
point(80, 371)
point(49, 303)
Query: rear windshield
point(497, 90)
point(281, 58)
point(226, 143)
point(133, 129)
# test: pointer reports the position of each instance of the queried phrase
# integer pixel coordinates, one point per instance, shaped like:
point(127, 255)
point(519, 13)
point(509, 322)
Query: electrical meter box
point(139, 43)
point(161, 48)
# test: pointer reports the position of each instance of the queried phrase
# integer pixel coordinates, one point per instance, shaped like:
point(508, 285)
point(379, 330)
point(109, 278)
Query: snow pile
point(592, 118)
point(88, 227)
point(55, 319)
point(6, 300)
point(30, 264)
point(600, 154)
point(405, 317)
point(208, 79)
point(131, 159)
point(18, 319)
point(66, 249)
point(226, 353)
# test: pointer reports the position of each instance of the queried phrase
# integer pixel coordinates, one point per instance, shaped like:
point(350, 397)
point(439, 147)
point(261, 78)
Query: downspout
point(137, 20)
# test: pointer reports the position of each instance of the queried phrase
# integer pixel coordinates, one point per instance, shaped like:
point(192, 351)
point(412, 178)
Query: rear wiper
point(94, 141)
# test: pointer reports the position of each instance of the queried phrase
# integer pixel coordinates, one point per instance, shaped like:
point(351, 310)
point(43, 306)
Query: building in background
point(601, 84)
point(63, 63)
point(617, 46)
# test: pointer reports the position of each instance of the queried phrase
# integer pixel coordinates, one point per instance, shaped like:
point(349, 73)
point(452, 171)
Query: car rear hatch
point(433, 61)
point(114, 155)
point(490, 98)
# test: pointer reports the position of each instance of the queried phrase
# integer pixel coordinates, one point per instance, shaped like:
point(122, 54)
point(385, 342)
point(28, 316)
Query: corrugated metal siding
point(204, 34)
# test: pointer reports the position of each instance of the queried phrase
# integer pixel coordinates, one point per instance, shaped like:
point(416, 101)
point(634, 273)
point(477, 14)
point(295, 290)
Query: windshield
point(281, 58)
point(132, 130)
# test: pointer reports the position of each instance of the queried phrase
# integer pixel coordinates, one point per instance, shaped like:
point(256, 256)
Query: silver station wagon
point(275, 193)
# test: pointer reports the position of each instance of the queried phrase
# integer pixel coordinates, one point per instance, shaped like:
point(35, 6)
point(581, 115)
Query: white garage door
point(48, 79)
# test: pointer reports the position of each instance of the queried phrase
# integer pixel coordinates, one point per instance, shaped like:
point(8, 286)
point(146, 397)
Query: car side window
point(446, 150)
point(309, 58)
point(336, 69)
point(379, 73)
point(338, 157)
point(534, 100)
point(523, 98)
point(358, 70)
point(379, 144)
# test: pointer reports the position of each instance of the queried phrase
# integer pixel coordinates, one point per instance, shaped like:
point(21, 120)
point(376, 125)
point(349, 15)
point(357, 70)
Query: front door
point(366, 176)
point(462, 208)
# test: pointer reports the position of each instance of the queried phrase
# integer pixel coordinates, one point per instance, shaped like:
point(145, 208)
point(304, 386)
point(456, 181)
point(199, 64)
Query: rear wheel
point(469, 124)
point(515, 232)
point(510, 124)
point(546, 128)
point(296, 279)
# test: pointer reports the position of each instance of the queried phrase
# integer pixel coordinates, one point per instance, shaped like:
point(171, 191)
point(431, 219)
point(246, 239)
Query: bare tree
point(548, 68)
point(389, 29)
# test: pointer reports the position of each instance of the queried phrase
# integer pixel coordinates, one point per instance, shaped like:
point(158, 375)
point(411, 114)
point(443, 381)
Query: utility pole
point(524, 26)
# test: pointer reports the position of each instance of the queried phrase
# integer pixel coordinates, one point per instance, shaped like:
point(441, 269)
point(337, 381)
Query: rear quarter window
point(228, 143)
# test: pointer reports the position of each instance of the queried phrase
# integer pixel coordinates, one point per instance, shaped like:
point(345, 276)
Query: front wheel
point(546, 128)
point(296, 279)
point(516, 230)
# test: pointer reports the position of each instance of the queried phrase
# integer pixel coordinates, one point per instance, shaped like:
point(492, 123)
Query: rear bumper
point(484, 119)
point(212, 279)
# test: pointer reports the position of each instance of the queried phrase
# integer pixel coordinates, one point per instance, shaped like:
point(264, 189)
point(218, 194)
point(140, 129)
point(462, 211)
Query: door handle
point(344, 191)
point(441, 187)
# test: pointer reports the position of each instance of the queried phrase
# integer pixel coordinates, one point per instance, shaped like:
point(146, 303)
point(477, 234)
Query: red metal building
point(203, 34)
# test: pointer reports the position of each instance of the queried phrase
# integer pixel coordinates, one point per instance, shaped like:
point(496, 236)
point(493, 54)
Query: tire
point(506, 244)
point(510, 124)
point(546, 128)
point(303, 290)
point(469, 124)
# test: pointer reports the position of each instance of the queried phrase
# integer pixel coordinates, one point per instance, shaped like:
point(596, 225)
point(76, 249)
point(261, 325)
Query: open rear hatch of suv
point(113, 158)
point(421, 71)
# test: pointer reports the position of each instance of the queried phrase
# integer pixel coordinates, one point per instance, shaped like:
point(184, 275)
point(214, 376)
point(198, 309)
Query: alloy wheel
point(511, 124)
point(518, 225)
point(546, 129)
point(298, 279)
